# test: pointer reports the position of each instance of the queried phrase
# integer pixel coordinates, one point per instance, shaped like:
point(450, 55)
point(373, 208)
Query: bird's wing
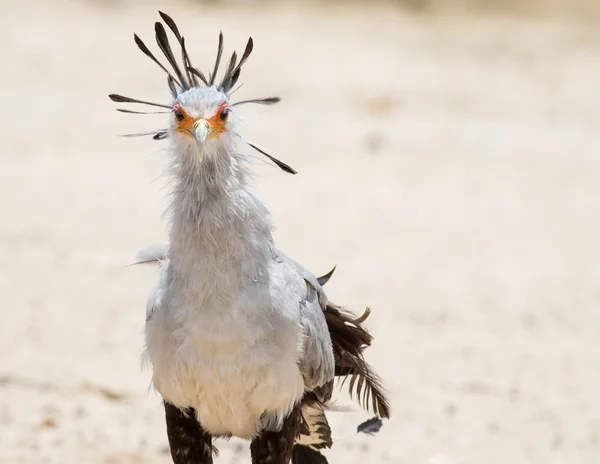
point(155, 301)
point(154, 254)
point(316, 361)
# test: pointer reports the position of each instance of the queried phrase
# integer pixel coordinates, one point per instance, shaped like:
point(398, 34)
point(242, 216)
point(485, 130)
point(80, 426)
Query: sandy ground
point(449, 167)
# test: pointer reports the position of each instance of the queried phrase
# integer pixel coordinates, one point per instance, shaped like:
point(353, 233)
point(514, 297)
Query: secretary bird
point(241, 338)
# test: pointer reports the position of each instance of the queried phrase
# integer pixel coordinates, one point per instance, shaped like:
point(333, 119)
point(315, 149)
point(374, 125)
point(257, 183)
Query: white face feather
point(202, 102)
point(201, 120)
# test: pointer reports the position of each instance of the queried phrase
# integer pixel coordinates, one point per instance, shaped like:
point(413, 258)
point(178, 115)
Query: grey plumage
point(241, 338)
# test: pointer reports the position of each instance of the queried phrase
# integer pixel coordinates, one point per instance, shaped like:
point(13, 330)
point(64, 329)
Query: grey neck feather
point(220, 231)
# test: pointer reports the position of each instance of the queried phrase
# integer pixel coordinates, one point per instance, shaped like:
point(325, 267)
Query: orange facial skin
point(215, 123)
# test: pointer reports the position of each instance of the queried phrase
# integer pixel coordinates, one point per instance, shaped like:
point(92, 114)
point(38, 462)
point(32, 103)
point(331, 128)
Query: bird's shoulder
point(291, 276)
point(304, 295)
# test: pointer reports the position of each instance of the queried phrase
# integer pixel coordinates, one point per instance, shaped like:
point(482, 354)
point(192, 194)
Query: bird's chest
point(231, 362)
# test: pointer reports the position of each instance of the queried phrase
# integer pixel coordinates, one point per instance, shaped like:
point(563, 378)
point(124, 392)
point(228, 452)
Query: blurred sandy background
point(449, 164)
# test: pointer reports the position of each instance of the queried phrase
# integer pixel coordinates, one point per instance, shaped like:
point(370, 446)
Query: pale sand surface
point(449, 167)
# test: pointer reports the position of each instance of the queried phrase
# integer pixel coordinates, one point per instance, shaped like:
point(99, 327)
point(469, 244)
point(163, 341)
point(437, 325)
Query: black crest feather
point(121, 99)
point(260, 101)
point(156, 134)
point(196, 72)
point(280, 164)
point(142, 46)
point(123, 110)
point(186, 76)
point(163, 42)
point(230, 67)
point(233, 73)
point(325, 278)
point(213, 74)
point(184, 54)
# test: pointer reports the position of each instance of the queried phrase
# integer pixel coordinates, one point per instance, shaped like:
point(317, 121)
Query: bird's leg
point(276, 447)
point(189, 443)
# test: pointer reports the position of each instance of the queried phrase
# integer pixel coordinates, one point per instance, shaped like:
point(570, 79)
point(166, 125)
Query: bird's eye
point(179, 114)
point(224, 114)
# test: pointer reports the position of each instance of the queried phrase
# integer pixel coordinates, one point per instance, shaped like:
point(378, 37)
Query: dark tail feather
point(349, 339)
point(305, 455)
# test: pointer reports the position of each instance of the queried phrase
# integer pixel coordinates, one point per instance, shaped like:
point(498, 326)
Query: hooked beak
point(201, 131)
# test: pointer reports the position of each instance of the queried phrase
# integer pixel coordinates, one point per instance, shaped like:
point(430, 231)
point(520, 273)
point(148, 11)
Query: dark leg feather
point(189, 443)
point(276, 447)
point(305, 455)
point(315, 431)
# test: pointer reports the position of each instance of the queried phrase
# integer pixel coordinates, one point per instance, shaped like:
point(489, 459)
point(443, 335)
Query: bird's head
point(201, 120)
point(202, 117)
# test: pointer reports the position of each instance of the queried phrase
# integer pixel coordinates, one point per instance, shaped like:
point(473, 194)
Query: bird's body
point(241, 339)
point(225, 326)
point(235, 362)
